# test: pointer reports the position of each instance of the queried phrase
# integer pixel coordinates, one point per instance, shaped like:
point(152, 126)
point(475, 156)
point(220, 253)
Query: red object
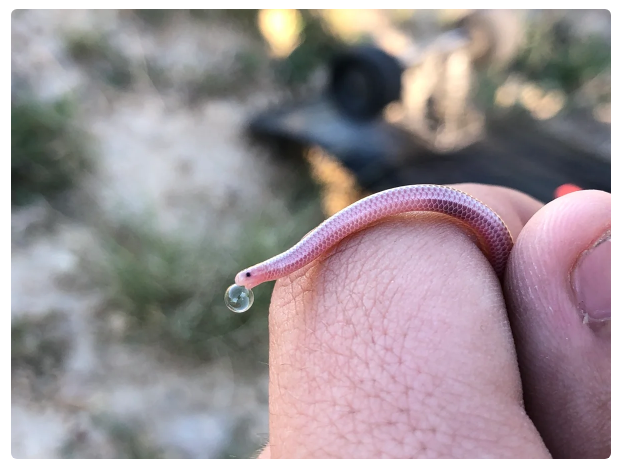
point(565, 189)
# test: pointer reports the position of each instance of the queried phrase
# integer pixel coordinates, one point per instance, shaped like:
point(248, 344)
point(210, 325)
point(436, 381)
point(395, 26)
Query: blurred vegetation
point(171, 288)
point(245, 66)
point(40, 344)
point(245, 18)
point(154, 17)
point(103, 61)
point(317, 46)
point(555, 57)
point(49, 151)
point(555, 69)
point(243, 443)
point(551, 55)
point(126, 441)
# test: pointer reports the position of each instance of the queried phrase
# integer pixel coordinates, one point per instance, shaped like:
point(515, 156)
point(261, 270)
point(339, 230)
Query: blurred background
point(155, 153)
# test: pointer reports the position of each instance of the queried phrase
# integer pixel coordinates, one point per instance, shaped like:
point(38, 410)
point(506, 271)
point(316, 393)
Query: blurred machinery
point(404, 114)
point(427, 89)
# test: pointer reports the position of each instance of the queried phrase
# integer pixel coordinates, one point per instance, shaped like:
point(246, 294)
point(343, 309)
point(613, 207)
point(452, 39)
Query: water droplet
point(238, 298)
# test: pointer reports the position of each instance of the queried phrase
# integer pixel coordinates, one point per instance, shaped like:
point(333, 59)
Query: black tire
point(363, 81)
point(496, 35)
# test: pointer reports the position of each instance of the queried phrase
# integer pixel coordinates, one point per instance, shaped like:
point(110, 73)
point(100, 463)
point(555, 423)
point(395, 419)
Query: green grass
point(171, 288)
point(103, 61)
point(49, 152)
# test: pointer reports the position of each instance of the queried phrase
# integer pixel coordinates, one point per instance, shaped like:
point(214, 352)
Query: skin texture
point(401, 342)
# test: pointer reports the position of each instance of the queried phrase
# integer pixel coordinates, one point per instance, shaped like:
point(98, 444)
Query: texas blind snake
point(493, 236)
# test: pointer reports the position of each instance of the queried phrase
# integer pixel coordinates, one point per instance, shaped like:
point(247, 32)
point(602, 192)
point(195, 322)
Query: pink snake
point(494, 237)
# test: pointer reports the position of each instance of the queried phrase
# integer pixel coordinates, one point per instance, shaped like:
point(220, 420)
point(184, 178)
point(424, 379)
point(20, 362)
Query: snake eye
point(248, 274)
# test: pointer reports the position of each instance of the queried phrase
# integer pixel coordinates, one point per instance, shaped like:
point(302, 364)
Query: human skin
point(402, 343)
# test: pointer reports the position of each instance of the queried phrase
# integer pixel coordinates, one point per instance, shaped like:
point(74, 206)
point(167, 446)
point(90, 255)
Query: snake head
point(248, 277)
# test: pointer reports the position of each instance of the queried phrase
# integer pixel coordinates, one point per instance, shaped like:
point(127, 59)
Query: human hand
point(401, 343)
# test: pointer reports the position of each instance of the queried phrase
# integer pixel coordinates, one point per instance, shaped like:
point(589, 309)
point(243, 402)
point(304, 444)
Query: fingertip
point(550, 251)
point(557, 280)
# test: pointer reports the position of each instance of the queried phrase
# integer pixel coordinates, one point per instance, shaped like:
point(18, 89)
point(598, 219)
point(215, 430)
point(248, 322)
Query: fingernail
point(591, 281)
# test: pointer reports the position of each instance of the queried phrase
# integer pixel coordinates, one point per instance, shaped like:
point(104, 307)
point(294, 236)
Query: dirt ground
point(154, 153)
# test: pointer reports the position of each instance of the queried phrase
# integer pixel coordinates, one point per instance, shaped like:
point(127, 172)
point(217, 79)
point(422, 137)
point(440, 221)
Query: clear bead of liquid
point(238, 298)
